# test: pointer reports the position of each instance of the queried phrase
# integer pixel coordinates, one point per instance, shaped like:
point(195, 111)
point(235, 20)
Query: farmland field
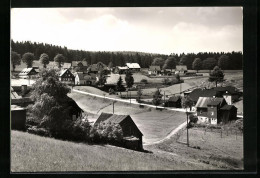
point(31, 153)
point(154, 124)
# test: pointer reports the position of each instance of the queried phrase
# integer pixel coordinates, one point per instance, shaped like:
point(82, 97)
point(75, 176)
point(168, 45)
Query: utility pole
point(113, 107)
point(164, 98)
point(187, 129)
point(130, 97)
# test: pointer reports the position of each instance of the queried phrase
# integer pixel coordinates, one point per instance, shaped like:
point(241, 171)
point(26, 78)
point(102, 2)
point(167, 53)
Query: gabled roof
point(66, 65)
point(155, 68)
point(75, 63)
point(215, 101)
point(202, 102)
point(122, 68)
point(174, 98)
point(27, 71)
point(133, 65)
point(14, 95)
point(65, 70)
point(196, 93)
point(229, 89)
point(181, 67)
point(228, 107)
point(103, 117)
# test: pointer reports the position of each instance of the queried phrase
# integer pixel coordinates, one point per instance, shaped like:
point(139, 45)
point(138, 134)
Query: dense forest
point(120, 58)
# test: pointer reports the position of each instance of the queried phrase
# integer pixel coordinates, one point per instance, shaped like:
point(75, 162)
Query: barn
point(132, 136)
point(174, 101)
point(134, 67)
point(228, 113)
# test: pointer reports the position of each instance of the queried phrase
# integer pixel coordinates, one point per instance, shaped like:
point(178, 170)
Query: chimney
point(24, 89)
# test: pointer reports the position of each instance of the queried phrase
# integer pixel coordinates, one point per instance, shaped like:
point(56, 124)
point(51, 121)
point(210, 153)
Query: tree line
point(232, 60)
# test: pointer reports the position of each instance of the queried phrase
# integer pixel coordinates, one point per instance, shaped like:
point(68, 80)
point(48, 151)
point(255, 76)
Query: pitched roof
point(181, 67)
point(196, 93)
point(174, 98)
point(155, 68)
point(66, 65)
point(202, 102)
point(133, 65)
point(122, 68)
point(27, 71)
point(14, 95)
point(229, 89)
point(103, 117)
point(227, 107)
point(75, 63)
point(63, 72)
point(215, 101)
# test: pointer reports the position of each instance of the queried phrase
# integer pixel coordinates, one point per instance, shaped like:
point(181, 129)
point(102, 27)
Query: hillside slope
point(31, 153)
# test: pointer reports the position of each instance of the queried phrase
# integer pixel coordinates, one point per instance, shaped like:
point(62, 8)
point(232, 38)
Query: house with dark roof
point(230, 93)
point(132, 136)
point(154, 70)
point(28, 73)
point(198, 92)
point(214, 110)
point(67, 77)
point(174, 101)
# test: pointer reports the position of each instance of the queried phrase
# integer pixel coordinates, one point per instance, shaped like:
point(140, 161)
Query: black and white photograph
point(126, 89)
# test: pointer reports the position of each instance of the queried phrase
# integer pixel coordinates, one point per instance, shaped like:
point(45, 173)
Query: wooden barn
point(228, 113)
point(174, 101)
point(18, 117)
point(67, 77)
point(133, 67)
point(132, 135)
point(74, 111)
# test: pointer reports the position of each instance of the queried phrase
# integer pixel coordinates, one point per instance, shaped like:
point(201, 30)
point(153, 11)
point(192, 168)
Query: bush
point(193, 118)
point(144, 81)
point(38, 131)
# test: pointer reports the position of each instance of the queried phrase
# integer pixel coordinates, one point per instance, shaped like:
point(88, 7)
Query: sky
point(163, 30)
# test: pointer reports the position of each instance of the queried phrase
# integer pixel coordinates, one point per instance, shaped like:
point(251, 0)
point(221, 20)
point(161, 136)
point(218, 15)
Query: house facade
point(84, 79)
point(67, 77)
point(181, 69)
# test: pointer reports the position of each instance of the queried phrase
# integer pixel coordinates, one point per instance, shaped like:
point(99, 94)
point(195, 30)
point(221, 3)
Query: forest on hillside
point(234, 62)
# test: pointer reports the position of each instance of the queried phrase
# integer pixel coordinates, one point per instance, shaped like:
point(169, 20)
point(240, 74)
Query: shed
point(228, 113)
point(129, 128)
point(18, 117)
point(174, 101)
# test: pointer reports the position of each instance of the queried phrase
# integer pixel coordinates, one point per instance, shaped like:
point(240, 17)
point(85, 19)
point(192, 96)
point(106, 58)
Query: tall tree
point(197, 64)
point(59, 58)
point(157, 97)
point(216, 75)
point(120, 86)
point(110, 65)
point(129, 79)
point(209, 63)
point(15, 59)
point(224, 62)
point(102, 78)
point(170, 63)
point(158, 62)
point(28, 59)
point(44, 59)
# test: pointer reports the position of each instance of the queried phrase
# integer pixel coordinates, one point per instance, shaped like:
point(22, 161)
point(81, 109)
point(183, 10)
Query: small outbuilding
point(174, 101)
point(132, 136)
point(18, 117)
point(228, 113)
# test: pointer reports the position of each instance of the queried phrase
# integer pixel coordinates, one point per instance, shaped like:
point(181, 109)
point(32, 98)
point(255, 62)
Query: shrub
point(38, 131)
point(193, 118)
point(144, 81)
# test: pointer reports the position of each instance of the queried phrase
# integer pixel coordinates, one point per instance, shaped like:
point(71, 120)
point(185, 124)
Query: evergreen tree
point(120, 86)
point(129, 79)
point(157, 97)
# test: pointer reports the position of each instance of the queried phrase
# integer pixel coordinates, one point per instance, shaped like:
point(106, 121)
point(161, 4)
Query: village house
point(28, 73)
point(67, 77)
point(133, 67)
point(198, 92)
point(121, 70)
point(84, 79)
point(181, 69)
point(174, 101)
point(132, 136)
point(214, 110)
point(154, 70)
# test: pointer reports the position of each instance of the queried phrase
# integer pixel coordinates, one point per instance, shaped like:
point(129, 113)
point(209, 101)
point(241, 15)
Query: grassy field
point(31, 153)
point(154, 124)
point(225, 152)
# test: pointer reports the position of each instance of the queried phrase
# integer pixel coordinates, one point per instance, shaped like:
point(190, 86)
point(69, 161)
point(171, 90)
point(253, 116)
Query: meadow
point(31, 153)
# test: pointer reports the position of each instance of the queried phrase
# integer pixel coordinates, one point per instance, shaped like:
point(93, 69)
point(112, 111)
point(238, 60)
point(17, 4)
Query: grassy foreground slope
point(31, 153)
